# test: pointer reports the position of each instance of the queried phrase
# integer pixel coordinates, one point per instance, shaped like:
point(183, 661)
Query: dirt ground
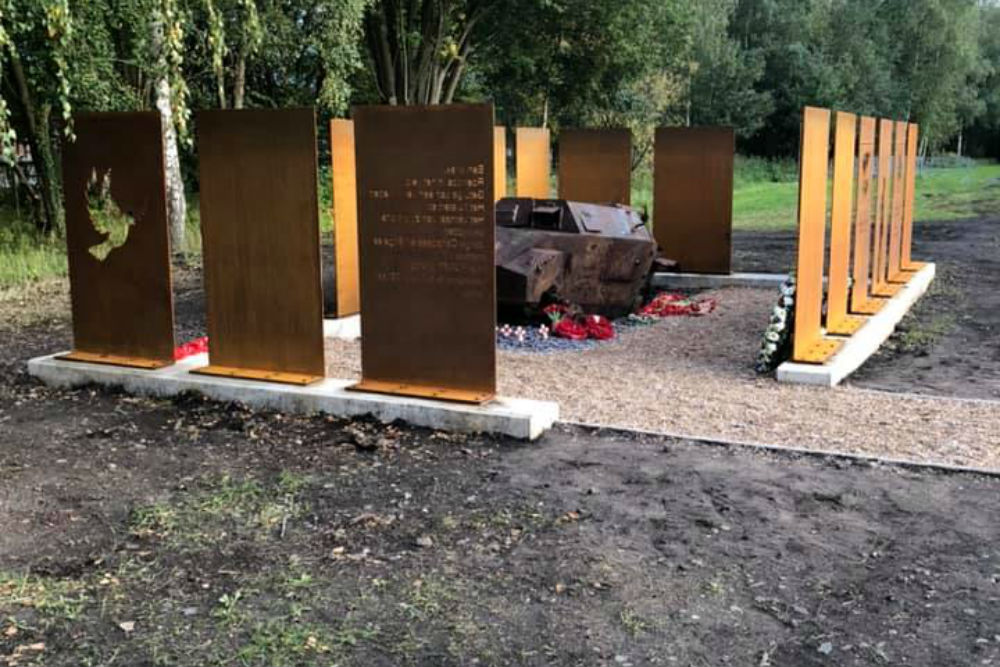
point(949, 345)
point(154, 532)
point(185, 532)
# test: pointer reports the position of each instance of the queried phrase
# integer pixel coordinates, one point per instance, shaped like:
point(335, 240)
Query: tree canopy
point(752, 64)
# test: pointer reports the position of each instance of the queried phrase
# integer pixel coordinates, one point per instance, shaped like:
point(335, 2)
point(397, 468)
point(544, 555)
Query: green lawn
point(764, 198)
point(948, 193)
point(26, 256)
point(942, 194)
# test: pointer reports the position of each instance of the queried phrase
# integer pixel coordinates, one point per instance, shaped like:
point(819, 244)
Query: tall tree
point(271, 53)
point(35, 39)
point(580, 62)
point(419, 49)
point(723, 75)
point(935, 62)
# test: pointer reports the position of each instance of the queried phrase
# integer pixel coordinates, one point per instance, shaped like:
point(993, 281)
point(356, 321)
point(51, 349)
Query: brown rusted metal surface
point(895, 268)
point(345, 216)
point(693, 191)
point(808, 343)
point(428, 294)
point(122, 306)
point(880, 285)
point(837, 319)
point(911, 185)
point(260, 234)
point(533, 162)
point(595, 165)
point(595, 256)
point(499, 162)
point(861, 300)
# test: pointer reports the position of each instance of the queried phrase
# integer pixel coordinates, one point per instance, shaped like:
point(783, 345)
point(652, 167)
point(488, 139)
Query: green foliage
point(106, 216)
point(585, 62)
point(723, 76)
point(271, 53)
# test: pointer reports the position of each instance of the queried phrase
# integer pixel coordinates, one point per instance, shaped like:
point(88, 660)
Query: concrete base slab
point(516, 417)
point(864, 342)
point(717, 281)
point(345, 328)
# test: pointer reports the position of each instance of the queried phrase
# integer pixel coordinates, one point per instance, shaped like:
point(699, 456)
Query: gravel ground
point(694, 376)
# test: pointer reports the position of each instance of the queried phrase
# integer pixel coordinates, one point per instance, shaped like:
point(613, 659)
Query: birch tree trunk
point(176, 202)
point(240, 81)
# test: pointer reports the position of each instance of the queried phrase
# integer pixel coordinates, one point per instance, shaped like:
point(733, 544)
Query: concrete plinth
point(345, 328)
point(516, 417)
point(864, 342)
point(717, 281)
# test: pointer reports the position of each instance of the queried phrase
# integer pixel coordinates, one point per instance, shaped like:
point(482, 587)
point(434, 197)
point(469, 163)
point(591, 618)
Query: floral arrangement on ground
point(776, 343)
point(569, 328)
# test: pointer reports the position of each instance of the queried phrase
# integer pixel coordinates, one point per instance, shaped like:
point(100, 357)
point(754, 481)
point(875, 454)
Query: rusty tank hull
point(592, 255)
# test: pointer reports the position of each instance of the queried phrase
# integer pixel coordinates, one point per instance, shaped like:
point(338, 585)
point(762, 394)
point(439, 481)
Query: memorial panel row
point(870, 220)
point(425, 229)
point(414, 228)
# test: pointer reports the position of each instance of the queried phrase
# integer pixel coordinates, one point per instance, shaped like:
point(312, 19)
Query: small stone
point(826, 648)
point(425, 541)
point(127, 626)
point(189, 611)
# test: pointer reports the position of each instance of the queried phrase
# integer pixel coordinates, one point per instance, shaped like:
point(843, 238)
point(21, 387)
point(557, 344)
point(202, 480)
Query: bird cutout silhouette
point(106, 215)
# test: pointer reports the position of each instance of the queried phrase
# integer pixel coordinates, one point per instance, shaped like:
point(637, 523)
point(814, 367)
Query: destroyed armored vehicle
point(592, 255)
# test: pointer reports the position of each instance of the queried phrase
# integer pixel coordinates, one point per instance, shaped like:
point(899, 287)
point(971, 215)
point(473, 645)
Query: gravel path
point(695, 376)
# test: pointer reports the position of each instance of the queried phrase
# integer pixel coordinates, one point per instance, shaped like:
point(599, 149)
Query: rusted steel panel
point(808, 343)
point(260, 232)
point(345, 216)
point(911, 186)
point(883, 204)
point(499, 163)
point(895, 268)
point(837, 319)
point(533, 162)
point(595, 165)
point(428, 282)
point(861, 301)
point(693, 191)
point(122, 305)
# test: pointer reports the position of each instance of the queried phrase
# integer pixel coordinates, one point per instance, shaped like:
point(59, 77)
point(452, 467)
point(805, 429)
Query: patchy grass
point(958, 192)
point(26, 255)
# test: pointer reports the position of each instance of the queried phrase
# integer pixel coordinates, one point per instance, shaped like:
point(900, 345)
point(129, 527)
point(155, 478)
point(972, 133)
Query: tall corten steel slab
point(895, 268)
point(345, 216)
point(499, 163)
point(837, 319)
point(861, 300)
point(428, 292)
point(883, 212)
point(260, 233)
point(533, 162)
point(808, 342)
point(911, 185)
point(693, 196)
point(595, 165)
point(122, 305)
